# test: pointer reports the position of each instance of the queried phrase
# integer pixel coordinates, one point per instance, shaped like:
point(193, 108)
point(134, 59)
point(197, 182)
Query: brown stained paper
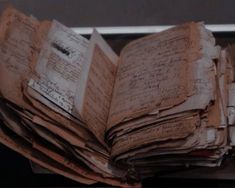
point(45, 134)
point(41, 159)
point(17, 34)
point(69, 136)
point(77, 168)
point(127, 127)
point(231, 104)
point(20, 38)
point(168, 146)
point(151, 75)
point(50, 108)
point(59, 119)
point(232, 135)
point(98, 93)
point(98, 165)
point(16, 127)
point(203, 79)
point(12, 122)
point(62, 160)
point(101, 70)
point(39, 40)
point(231, 58)
point(223, 82)
point(168, 130)
point(101, 164)
point(216, 111)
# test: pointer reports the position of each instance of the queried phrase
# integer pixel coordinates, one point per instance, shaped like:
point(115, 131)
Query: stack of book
point(75, 107)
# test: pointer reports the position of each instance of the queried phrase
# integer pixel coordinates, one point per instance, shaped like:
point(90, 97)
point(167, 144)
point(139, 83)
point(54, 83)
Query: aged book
point(75, 107)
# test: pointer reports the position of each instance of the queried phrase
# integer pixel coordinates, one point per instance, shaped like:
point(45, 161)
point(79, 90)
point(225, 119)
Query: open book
point(75, 107)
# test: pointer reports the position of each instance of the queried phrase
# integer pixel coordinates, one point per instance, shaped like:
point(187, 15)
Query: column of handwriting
point(99, 92)
point(152, 74)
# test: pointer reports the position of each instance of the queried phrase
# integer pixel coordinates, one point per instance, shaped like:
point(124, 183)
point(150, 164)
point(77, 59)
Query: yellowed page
point(40, 159)
point(59, 66)
point(77, 168)
point(20, 41)
point(56, 118)
point(203, 75)
point(17, 34)
point(98, 77)
point(230, 53)
point(153, 73)
point(174, 129)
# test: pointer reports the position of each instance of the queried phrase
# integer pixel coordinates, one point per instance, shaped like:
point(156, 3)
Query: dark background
point(15, 170)
point(84, 13)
